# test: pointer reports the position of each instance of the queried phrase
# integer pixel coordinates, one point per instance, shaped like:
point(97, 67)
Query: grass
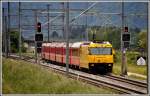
point(23, 77)
point(131, 64)
point(27, 54)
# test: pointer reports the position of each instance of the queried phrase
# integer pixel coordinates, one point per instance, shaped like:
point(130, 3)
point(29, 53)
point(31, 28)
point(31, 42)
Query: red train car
point(57, 52)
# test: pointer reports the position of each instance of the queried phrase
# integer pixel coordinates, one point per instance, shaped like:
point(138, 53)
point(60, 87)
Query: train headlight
point(109, 64)
point(92, 64)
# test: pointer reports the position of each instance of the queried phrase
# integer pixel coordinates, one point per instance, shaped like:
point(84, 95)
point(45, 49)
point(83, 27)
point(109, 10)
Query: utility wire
point(84, 11)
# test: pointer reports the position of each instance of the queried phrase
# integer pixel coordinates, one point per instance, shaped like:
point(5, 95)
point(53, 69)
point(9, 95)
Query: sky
point(130, 9)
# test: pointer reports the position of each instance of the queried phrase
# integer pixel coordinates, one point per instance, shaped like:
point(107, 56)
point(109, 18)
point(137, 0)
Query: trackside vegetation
point(22, 77)
point(131, 64)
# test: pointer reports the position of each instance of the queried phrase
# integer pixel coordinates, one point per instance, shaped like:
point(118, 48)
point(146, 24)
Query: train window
point(64, 51)
point(53, 50)
point(74, 52)
point(47, 49)
point(100, 51)
point(57, 51)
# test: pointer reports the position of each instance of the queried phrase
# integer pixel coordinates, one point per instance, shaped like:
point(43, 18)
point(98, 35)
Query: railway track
point(127, 80)
point(123, 85)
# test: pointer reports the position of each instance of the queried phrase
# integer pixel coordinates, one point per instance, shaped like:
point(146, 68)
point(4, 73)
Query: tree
point(14, 39)
point(14, 35)
point(77, 32)
point(142, 39)
point(111, 34)
point(134, 38)
point(54, 34)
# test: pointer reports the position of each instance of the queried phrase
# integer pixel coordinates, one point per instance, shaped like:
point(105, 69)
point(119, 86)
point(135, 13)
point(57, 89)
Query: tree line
point(111, 34)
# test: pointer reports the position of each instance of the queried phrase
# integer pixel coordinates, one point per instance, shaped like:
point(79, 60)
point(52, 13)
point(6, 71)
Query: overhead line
point(84, 11)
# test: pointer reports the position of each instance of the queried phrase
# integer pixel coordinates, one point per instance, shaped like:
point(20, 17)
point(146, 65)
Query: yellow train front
point(97, 57)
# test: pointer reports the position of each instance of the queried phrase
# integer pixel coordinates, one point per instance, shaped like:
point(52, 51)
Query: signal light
point(38, 37)
point(39, 50)
point(126, 44)
point(125, 29)
point(125, 37)
point(38, 27)
point(39, 44)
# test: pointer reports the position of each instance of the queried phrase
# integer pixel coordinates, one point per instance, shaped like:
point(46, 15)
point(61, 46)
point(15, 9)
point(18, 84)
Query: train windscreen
point(100, 51)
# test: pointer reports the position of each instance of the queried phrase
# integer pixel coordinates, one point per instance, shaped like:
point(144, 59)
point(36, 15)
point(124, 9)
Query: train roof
point(63, 44)
point(101, 44)
point(78, 44)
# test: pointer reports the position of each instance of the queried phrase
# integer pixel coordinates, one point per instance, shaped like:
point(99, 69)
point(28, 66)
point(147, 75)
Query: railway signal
point(39, 27)
point(125, 29)
point(126, 44)
point(126, 37)
point(39, 49)
point(39, 44)
point(39, 37)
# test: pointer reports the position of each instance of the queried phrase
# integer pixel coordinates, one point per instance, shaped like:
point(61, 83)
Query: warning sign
point(141, 61)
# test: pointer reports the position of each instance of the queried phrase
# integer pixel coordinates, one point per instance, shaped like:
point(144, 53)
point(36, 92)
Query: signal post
point(38, 41)
point(125, 42)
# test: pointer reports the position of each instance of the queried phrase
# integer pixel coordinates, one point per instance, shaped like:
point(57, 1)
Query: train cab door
point(84, 56)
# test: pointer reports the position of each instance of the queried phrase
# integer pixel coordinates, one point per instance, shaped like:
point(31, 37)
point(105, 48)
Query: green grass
point(131, 64)
point(27, 54)
point(23, 77)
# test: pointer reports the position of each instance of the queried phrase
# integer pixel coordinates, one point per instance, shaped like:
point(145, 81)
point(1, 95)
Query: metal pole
point(148, 50)
point(86, 31)
point(20, 41)
point(48, 20)
point(122, 42)
point(123, 50)
point(6, 38)
point(63, 20)
point(67, 39)
point(35, 33)
point(9, 44)
point(3, 32)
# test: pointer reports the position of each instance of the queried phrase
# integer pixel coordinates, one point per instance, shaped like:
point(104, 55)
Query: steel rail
point(127, 80)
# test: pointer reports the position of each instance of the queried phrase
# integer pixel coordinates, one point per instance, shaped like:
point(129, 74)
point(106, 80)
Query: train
point(93, 56)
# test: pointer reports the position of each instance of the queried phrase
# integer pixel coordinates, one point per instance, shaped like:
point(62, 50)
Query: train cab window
point(100, 51)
